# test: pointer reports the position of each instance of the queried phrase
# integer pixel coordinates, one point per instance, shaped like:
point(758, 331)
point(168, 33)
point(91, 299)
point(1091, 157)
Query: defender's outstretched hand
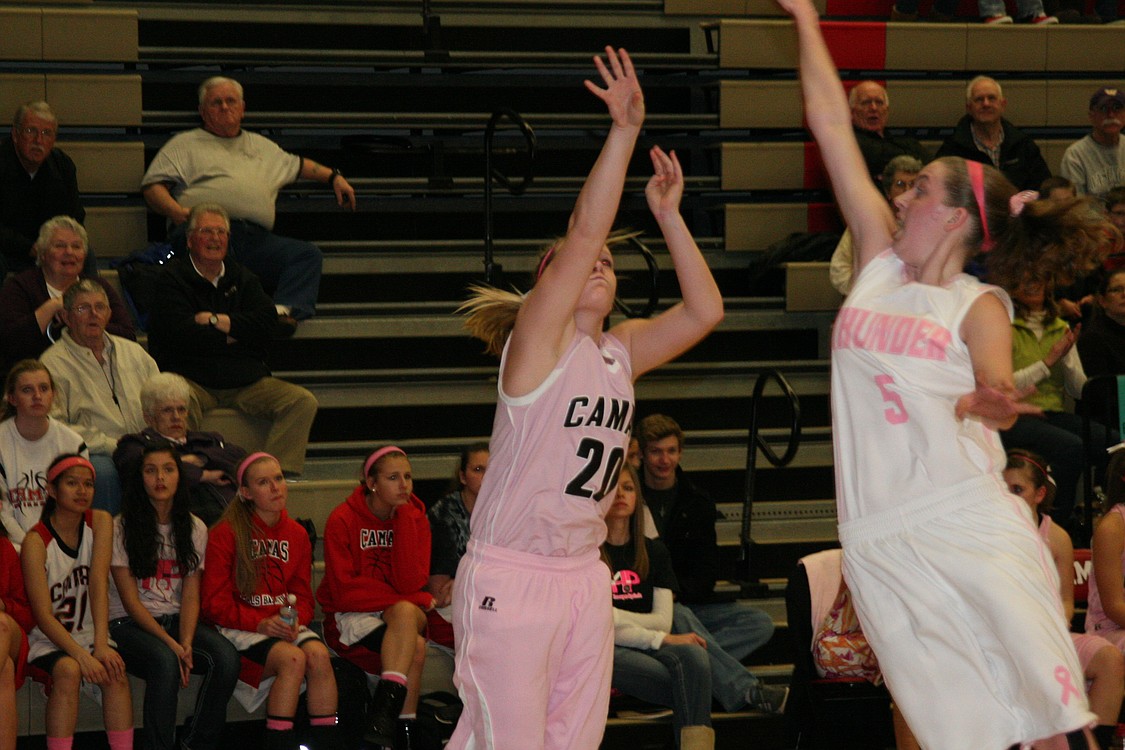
point(794, 7)
point(996, 408)
point(666, 186)
point(622, 93)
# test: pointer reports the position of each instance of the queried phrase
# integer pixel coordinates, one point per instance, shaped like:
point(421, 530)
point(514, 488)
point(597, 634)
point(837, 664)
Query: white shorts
point(958, 596)
point(249, 696)
point(355, 626)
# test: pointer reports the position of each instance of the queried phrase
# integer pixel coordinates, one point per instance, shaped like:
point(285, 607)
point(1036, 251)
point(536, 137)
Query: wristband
point(332, 178)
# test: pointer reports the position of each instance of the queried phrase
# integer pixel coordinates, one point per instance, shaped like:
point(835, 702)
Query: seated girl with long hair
point(158, 548)
point(257, 557)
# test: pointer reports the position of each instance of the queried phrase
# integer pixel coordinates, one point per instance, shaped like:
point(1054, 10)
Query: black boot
point(325, 737)
point(413, 735)
point(386, 705)
point(285, 739)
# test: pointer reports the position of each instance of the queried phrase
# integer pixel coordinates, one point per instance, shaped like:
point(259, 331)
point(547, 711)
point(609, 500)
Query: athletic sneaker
point(769, 698)
point(996, 20)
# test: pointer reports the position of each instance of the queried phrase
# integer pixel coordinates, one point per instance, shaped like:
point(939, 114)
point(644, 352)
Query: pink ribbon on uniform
point(1062, 676)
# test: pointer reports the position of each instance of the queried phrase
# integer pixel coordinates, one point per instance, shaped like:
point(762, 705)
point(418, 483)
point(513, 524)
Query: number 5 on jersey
point(896, 412)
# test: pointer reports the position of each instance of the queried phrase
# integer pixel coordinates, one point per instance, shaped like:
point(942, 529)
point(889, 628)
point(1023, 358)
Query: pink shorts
point(534, 650)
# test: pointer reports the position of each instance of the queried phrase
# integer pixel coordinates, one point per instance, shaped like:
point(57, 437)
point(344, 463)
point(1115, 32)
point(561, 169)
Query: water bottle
point(288, 612)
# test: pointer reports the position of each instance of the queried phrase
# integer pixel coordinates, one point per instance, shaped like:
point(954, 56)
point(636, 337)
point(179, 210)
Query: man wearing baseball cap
point(1096, 163)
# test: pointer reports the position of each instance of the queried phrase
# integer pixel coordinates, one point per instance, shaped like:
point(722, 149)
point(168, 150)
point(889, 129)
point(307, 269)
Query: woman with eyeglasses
point(1101, 347)
point(30, 301)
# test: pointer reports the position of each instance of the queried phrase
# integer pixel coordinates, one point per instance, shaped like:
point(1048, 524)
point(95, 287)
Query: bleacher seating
point(401, 108)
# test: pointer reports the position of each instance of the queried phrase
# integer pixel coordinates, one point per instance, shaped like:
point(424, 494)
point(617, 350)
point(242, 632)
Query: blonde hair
point(490, 313)
point(240, 515)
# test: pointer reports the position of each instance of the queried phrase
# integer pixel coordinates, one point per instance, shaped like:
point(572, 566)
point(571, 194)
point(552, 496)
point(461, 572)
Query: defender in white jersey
point(533, 627)
point(65, 561)
point(953, 587)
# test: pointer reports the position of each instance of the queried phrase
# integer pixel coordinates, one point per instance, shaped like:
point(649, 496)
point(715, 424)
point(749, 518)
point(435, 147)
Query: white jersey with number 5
point(898, 367)
point(68, 582)
point(556, 454)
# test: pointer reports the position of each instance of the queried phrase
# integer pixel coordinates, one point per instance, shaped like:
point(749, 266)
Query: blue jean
point(986, 8)
point(736, 626)
point(148, 658)
point(1057, 437)
point(289, 269)
point(107, 484)
point(677, 676)
point(731, 683)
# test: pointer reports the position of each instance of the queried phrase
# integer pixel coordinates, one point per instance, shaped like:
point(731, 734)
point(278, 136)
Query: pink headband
point(546, 260)
point(68, 463)
point(1028, 459)
point(976, 179)
point(242, 467)
point(379, 454)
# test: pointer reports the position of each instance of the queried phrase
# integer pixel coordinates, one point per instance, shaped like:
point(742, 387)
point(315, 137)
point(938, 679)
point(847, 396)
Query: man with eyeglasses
point(1096, 163)
point(870, 107)
point(98, 379)
point(242, 171)
point(212, 323)
point(37, 182)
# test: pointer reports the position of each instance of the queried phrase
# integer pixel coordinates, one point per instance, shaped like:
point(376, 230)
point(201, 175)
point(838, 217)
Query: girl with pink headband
point(948, 577)
point(1105, 611)
point(376, 565)
point(258, 561)
point(532, 620)
point(1029, 478)
point(65, 559)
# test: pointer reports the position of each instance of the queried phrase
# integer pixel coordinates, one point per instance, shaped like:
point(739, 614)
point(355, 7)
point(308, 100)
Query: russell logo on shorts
point(488, 604)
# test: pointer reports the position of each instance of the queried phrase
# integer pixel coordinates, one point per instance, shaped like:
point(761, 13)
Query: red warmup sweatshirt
point(286, 568)
point(12, 592)
point(371, 564)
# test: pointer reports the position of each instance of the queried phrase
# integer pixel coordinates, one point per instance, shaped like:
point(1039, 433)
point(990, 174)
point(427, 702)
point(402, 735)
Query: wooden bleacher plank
point(87, 34)
point(1014, 47)
point(95, 99)
point(21, 34)
point(760, 104)
point(17, 88)
point(785, 165)
point(920, 103)
point(1086, 48)
point(754, 226)
point(116, 231)
point(106, 166)
point(942, 46)
point(728, 7)
point(770, 44)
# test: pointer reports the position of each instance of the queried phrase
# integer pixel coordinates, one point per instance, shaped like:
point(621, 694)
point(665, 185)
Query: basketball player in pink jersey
point(533, 626)
point(949, 578)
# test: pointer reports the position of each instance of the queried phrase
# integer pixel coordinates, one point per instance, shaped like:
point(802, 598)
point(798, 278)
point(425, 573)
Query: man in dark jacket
point(685, 517)
point(870, 106)
point(984, 135)
point(211, 322)
point(37, 182)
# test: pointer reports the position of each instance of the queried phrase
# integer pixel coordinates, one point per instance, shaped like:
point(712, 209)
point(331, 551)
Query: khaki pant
point(289, 408)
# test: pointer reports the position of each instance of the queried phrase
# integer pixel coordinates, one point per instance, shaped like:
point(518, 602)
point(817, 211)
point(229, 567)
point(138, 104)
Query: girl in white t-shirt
point(158, 548)
point(29, 441)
